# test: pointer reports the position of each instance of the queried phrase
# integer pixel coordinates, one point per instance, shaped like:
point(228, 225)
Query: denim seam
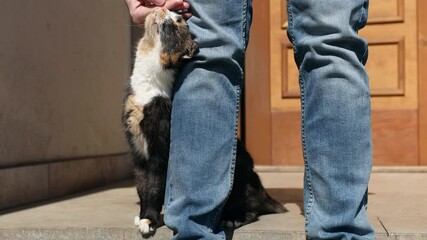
point(303, 138)
point(304, 149)
point(233, 160)
point(244, 25)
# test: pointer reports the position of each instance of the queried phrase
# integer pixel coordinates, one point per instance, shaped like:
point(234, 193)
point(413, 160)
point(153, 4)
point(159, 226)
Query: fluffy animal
point(165, 45)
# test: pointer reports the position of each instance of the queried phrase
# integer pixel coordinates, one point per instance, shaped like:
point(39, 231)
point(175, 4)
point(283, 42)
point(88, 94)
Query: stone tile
point(286, 188)
point(398, 194)
point(284, 222)
point(404, 225)
point(119, 167)
point(106, 234)
point(285, 180)
point(23, 185)
point(377, 225)
point(108, 214)
point(162, 233)
point(114, 207)
point(268, 235)
point(43, 234)
point(73, 176)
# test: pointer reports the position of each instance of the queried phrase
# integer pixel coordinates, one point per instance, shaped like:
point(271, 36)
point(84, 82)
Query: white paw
point(237, 224)
point(229, 224)
point(232, 224)
point(144, 226)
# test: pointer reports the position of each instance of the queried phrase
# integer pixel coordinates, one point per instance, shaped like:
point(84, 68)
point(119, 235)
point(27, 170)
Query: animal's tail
point(246, 163)
point(272, 206)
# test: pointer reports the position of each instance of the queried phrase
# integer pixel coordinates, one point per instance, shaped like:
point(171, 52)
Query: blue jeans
point(205, 118)
point(335, 112)
point(336, 124)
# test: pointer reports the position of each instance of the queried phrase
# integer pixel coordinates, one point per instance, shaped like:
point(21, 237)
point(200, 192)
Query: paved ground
point(397, 209)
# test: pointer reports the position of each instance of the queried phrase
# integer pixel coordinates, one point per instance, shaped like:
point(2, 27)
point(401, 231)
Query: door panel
point(393, 68)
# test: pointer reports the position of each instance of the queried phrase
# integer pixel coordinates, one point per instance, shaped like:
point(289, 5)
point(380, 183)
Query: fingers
point(135, 9)
point(157, 2)
point(139, 9)
point(175, 5)
point(179, 5)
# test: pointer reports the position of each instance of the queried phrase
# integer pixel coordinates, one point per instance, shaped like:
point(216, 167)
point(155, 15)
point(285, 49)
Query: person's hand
point(139, 9)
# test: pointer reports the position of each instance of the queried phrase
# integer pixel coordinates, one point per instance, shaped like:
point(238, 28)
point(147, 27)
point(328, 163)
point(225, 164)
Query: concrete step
point(397, 209)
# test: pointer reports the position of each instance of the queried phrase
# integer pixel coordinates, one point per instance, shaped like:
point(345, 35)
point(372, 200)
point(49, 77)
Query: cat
point(165, 45)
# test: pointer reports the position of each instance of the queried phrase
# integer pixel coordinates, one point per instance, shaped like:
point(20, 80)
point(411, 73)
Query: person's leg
point(204, 120)
point(336, 125)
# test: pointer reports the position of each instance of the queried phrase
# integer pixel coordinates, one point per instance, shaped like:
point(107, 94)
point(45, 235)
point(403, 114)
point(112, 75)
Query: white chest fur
point(149, 79)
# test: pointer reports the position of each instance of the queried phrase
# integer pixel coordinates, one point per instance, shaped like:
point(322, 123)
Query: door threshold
point(375, 169)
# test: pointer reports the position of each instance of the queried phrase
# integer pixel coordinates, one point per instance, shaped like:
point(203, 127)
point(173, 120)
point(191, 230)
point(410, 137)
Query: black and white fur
point(146, 118)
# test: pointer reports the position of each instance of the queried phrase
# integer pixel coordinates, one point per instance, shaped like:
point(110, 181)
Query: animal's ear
point(191, 49)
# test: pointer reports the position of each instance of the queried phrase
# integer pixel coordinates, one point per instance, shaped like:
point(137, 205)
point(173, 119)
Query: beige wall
point(63, 68)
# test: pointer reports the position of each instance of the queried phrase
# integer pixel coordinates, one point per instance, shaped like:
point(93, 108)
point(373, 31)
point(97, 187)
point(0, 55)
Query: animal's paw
point(238, 221)
point(231, 224)
point(145, 227)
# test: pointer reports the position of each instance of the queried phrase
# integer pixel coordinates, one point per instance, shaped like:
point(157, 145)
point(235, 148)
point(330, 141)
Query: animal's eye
point(179, 19)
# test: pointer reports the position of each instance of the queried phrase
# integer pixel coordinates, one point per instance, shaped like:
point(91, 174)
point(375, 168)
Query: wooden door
point(397, 48)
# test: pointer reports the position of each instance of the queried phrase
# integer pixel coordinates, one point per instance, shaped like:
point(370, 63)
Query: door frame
point(257, 86)
point(422, 80)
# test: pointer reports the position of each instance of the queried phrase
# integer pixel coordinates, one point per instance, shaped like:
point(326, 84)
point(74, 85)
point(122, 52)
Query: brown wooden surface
point(393, 138)
point(422, 61)
point(399, 111)
point(257, 120)
point(286, 135)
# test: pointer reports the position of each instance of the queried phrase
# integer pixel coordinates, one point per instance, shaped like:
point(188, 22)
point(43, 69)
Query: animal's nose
point(161, 12)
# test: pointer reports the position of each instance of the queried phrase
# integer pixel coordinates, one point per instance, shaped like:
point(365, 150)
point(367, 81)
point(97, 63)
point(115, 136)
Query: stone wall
point(63, 68)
